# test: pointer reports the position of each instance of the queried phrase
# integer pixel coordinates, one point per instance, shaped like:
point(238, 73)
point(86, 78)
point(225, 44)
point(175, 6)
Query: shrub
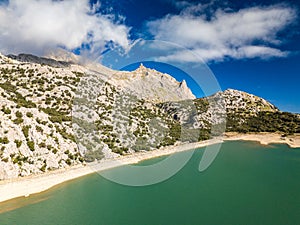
point(68, 161)
point(18, 120)
point(4, 140)
point(29, 114)
point(42, 145)
point(25, 130)
point(39, 129)
point(6, 110)
point(44, 167)
point(19, 114)
point(30, 145)
point(67, 152)
point(5, 160)
point(18, 143)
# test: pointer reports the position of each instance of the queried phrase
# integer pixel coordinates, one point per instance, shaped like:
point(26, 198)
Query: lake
point(246, 184)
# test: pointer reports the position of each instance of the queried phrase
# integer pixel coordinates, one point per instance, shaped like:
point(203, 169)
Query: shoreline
point(26, 186)
point(293, 141)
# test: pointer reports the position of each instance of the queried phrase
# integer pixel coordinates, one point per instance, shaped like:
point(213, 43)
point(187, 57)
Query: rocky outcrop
point(152, 85)
point(55, 114)
point(238, 100)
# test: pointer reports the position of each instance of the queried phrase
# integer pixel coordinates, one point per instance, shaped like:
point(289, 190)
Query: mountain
point(152, 85)
point(55, 114)
point(39, 60)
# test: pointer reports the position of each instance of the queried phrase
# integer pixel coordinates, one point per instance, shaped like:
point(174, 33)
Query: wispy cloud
point(221, 33)
point(36, 26)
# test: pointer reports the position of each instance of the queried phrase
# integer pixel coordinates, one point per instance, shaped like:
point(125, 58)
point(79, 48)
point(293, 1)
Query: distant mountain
point(39, 60)
point(55, 114)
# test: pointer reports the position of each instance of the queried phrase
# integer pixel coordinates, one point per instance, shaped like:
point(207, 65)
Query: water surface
point(247, 184)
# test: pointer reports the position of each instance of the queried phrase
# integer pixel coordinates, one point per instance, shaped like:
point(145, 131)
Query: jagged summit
point(152, 85)
point(142, 67)
point(139, 110)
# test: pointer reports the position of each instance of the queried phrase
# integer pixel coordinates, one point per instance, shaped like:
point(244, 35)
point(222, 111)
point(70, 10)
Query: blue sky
point(248, 45)
point(276, 79)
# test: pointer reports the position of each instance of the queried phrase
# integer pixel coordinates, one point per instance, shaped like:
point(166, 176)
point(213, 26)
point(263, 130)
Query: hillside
point(55, 114)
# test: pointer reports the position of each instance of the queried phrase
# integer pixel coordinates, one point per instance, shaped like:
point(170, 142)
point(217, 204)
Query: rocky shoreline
point(25, 186)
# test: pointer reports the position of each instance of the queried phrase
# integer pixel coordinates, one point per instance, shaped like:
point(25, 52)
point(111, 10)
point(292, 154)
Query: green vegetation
point(16, 96)
point(19, 118)
point(39, 129)
point(30, 145)
point(5, 110)
point(19, 159)
point(64, 134)
point(4, 140)
point(19, 114)
point(25, 130)
point(29, 114)
point(69, 162)
point(57, 116)
point(91, 156)
point(42, 145)
point(18, 143)
point(18, 121)
point(284, 122)
point(44, 167)
point(201, 104)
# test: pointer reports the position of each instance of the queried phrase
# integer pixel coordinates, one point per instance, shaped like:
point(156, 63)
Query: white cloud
point(248, 33)
point(36, 26)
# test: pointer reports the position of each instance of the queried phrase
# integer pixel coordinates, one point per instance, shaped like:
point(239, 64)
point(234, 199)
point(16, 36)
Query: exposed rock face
point(152, 85)
point(35, 117)
point(238, 100)
point(55, 114)
point(36, 96)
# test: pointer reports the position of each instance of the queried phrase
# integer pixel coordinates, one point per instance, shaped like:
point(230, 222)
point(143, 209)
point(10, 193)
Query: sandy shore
point(26, 186)
point(265, 138)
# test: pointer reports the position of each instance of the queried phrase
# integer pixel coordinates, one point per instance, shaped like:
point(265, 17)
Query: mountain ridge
point(55, 116)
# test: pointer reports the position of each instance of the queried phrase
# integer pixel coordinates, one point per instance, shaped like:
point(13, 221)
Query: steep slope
point(151, 85)
point(36, 95)
point(36, 132)
point(56, 115)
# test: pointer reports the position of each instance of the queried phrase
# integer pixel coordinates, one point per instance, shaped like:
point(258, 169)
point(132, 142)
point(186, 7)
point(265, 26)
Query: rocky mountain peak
point(152, 85)
point(142, 67)
point(40, 111)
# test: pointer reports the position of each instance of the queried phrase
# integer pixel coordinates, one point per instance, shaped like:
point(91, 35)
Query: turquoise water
point(246, 184)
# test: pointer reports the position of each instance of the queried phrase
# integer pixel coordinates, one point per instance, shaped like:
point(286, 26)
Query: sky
point(249, 45)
